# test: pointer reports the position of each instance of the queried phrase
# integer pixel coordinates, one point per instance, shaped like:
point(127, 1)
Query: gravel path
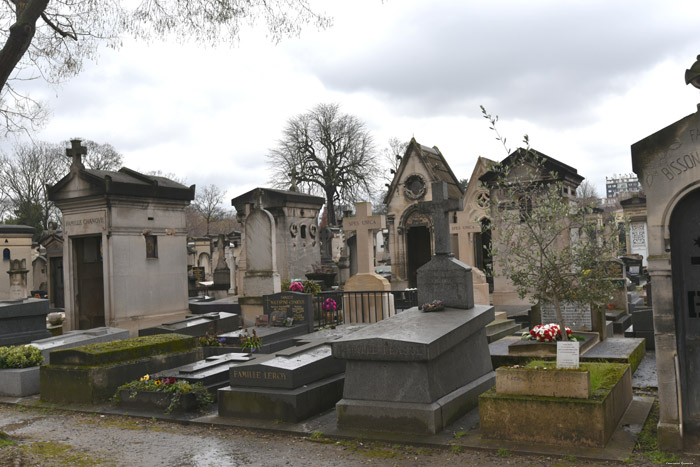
point(60, 438)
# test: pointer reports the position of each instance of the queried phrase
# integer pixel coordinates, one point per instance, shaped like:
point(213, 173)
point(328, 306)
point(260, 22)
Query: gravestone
point(295, 305)
point(576, 315)
point(464, 229)
point(23, 321)
point(197, 325)
point(18, 279)
point(291, 385)
point(78, 338)
point(408, 373)
point(366, 309)
point(444, 277)
point(222, 273)
point(212, 372)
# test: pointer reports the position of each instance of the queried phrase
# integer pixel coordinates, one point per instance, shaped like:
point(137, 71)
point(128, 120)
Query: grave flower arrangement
point(211, 340)
point(176, 388)
point(330, 305)
point(21, 356)
point(250, 342)
point(435, 305)
point(296, 287)
point(548, 332)
point(304, 287)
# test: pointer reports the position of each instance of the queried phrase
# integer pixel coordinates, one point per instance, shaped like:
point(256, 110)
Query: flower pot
point(155, 401)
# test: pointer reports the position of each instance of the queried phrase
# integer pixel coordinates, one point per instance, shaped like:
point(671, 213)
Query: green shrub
point(22, 356)
point(175, 387)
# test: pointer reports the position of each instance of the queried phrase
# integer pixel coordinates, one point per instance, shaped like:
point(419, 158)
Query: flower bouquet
point(296, 287)
point(435, 305)
point(329, 306)
point(548, 332)
point(250, 342)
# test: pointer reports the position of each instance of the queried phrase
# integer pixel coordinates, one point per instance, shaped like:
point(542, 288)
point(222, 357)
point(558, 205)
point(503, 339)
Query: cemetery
point(432, 331)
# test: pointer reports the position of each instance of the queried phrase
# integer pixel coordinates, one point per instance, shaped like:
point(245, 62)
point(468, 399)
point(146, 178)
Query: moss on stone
point(108, 353)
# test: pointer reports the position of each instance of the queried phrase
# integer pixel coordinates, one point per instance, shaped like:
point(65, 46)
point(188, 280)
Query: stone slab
point(78, 338)
point(273, 338)
point(576, 315)
point(549, 383)
point(212, 372)
point(643, 319)
point(19, 382)
point(197, 325)
point(622, 323)
point(199, 307)
point(288, 370)
point(411, 417)
point(413, 335)
point(291, 405)
point(23, 321)
point(298, 306)
point(447, 279)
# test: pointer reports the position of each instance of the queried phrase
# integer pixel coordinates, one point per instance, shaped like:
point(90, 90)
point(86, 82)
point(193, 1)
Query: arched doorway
point(684, 230)
point(417, 251)
point(482, 251)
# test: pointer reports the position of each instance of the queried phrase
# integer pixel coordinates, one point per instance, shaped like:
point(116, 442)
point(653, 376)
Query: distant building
point(621, 184)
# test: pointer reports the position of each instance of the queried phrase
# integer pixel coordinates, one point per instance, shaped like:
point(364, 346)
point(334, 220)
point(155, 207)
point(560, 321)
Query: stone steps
point(501, 328)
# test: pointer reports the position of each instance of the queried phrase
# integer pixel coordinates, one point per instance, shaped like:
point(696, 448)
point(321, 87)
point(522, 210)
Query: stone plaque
point(576, 315)
point(198, 273)
point(295, 305)
point(567, 354)
point(612, 269)
point(80, 224)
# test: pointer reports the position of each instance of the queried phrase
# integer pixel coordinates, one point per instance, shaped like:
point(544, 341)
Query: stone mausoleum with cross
point(125, 246)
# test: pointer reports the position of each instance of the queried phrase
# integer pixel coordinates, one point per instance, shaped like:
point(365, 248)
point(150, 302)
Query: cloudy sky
point(584, 79)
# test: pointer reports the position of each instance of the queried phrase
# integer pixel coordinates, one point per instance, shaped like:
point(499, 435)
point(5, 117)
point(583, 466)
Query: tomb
point(23, 321)
point(125, 246)
point(91, 374)
point(212, 372)
point(279, 333)
point(408, 373)
point(77, 339)
point(410, 231)
point(197, 325)
point(291, 385)
point(667, 164)
point(16, 244)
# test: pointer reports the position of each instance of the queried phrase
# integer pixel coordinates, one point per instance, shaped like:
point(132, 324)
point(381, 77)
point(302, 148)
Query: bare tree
point(327, 152)
point(50, 39)
point(24, 177)
point(586, 192)
point(100, 156)
point(391, 158)
point(208, 202)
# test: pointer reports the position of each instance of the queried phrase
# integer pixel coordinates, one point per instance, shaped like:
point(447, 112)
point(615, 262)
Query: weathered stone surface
point(197, 325)
point(549, 383)
point(408, 373)
point(19, 382)
point(78, 338)
point(448, 279)
point(212, 372)
point(587, 422)
point(24, 321)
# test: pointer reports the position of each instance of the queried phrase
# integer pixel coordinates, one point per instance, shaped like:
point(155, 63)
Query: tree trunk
point(560, 319)
point(21, 35)
point(330, 208)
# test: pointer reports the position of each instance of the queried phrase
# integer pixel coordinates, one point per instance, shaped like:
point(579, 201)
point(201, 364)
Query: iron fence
point(339, 307)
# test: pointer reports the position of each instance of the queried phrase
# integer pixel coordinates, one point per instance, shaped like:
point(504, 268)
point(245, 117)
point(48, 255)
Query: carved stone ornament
point(414, 187)
point(312, 230)
point(294, 230)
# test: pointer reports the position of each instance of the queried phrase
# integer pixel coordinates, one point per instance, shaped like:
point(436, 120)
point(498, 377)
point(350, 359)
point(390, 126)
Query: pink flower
point(296, 287)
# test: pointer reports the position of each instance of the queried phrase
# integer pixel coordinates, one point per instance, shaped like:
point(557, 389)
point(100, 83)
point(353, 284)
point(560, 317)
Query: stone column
point(18, 279)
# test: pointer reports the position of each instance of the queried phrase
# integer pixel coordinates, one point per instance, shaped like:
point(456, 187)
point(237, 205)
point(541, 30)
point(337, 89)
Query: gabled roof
point(563, 171)
point(272, 198)
point(124, 182)
point(434, 163)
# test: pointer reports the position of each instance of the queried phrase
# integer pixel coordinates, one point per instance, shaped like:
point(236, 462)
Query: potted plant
point(152, 392)
point(19, 370)
point(329, 310)
point(212, 345)
point(250, 342)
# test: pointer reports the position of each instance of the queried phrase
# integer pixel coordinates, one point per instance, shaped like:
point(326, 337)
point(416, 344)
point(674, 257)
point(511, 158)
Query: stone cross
point(364, 223)
point(75, 152)
point(439, 208)
point(293, 176)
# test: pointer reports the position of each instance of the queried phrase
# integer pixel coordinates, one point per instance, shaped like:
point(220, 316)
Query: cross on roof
point(75, 152)
point(363, 224)
point(439, 208)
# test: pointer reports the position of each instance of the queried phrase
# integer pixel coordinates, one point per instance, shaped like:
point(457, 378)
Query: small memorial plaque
point(278, 318)
point(298, 306)
point(198, 273)
point(567, 354)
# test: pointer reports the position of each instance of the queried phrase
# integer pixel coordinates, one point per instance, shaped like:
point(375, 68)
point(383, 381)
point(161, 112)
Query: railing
point(360, 307)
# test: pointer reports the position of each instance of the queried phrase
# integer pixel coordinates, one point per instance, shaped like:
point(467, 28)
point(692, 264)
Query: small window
point(151, 246)
point(6, 254)
point(303, 231)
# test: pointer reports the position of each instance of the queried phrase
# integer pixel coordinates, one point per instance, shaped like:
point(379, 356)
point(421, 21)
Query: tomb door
point(56, 272)
point(89, 285)
point(482, 251)
point(352, 251)
point(685, 271)
point(417, 251)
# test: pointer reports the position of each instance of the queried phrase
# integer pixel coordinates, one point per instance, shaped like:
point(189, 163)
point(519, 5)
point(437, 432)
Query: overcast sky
point(584, 79)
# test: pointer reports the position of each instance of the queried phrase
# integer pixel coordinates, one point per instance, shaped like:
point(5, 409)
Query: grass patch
point(317, 437)
point(5, 440)
point(459, 434)
point(503, 452)
point(648, 441)
point(603, 375)
point(380, 453)
point(455, 448)
point(56, 454)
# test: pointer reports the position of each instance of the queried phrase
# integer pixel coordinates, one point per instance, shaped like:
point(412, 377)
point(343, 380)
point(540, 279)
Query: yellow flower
point(145, 378)
point(157, 382)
